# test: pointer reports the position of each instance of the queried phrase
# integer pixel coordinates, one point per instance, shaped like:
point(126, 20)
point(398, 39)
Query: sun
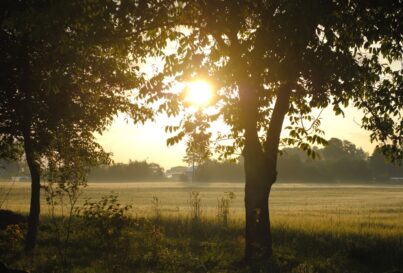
point(198, 93)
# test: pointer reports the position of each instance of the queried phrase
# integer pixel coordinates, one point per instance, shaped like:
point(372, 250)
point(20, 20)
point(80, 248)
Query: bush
point(106, 222)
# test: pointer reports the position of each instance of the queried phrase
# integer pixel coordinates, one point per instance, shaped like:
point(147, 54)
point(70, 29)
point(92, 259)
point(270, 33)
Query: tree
point(133, 171)
point(337, 149)
point(381, 170)
point(197, 145)
point(272, 60)
point(340, 160)
point(66, 70)
point(216, 171)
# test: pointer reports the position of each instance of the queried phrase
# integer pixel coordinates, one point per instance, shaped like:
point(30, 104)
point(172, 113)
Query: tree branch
point(276, 122)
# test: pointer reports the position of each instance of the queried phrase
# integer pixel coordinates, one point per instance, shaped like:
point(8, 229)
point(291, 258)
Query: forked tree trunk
point(260, 162)
point(34, 210)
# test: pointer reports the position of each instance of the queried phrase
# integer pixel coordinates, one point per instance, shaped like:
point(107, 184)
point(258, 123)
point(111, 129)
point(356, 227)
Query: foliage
point(198, 142)
point(172, 246)
point(338, 161)
point(331, 58)
point(105, 222)
point(66, 178)
point(106, 217)
point(72, 70)
point(212, 171)
point(10, 243)
point(67, 68)
point(272, 60)
point(382, 169)
point(341, 161)
point(133, 171)
point(337, 149)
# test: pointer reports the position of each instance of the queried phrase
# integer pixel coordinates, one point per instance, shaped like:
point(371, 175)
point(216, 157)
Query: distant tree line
point(339, 161)
point(116, 172)
point(212, 171)
point(132, 171)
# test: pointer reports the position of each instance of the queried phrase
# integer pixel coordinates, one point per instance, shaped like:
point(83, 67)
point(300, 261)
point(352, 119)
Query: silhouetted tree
point(272, 59)
point(381, 170)
point(340, 149)
point(65, 71)
point(197, 145)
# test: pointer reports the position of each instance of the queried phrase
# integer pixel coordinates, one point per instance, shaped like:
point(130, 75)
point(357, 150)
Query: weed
point(195, 206)
point(223, 207)
point(62, 195)
point(156, 207)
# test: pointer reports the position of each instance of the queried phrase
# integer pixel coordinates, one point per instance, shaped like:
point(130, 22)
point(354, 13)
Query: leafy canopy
point(67, 68)
point(329, 53)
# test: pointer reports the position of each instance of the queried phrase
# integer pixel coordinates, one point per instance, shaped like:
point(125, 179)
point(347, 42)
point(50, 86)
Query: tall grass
point(173, 244)
point(309, 235)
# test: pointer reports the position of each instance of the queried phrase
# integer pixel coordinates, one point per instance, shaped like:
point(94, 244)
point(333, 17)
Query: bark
point(260, 174)
point(34, 211)
point(258, 240)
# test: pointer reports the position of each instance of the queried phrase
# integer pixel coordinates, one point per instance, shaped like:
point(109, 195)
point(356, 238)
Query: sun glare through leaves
point(198, 93)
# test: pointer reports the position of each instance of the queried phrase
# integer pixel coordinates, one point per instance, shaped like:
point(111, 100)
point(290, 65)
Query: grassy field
point(360, 207)
point(316, 228)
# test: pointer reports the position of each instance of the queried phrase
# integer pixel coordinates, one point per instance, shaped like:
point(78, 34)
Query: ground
point(316, 228)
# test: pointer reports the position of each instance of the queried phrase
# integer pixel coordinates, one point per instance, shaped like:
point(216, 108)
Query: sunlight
point(198, 93)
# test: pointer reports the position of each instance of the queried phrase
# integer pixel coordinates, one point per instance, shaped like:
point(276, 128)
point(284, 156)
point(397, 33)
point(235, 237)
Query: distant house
point(179, 173)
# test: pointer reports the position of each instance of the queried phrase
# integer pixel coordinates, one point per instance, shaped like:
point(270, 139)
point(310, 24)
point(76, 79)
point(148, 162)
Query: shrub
point(106, 223)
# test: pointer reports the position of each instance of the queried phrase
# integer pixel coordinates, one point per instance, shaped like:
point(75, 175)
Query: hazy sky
point(148, 142)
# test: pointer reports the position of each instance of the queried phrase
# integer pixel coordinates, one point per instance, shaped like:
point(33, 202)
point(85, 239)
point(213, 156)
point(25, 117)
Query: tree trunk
point(258, 240)
point(260, 162)
point(29, 148)
point(34, 211)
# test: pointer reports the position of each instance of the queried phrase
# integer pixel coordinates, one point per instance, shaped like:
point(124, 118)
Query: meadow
point(316, 228)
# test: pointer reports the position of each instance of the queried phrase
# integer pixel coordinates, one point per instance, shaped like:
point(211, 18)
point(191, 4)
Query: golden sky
point(148, 142)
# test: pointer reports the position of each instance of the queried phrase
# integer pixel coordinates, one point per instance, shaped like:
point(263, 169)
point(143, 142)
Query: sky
point(126, 140)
